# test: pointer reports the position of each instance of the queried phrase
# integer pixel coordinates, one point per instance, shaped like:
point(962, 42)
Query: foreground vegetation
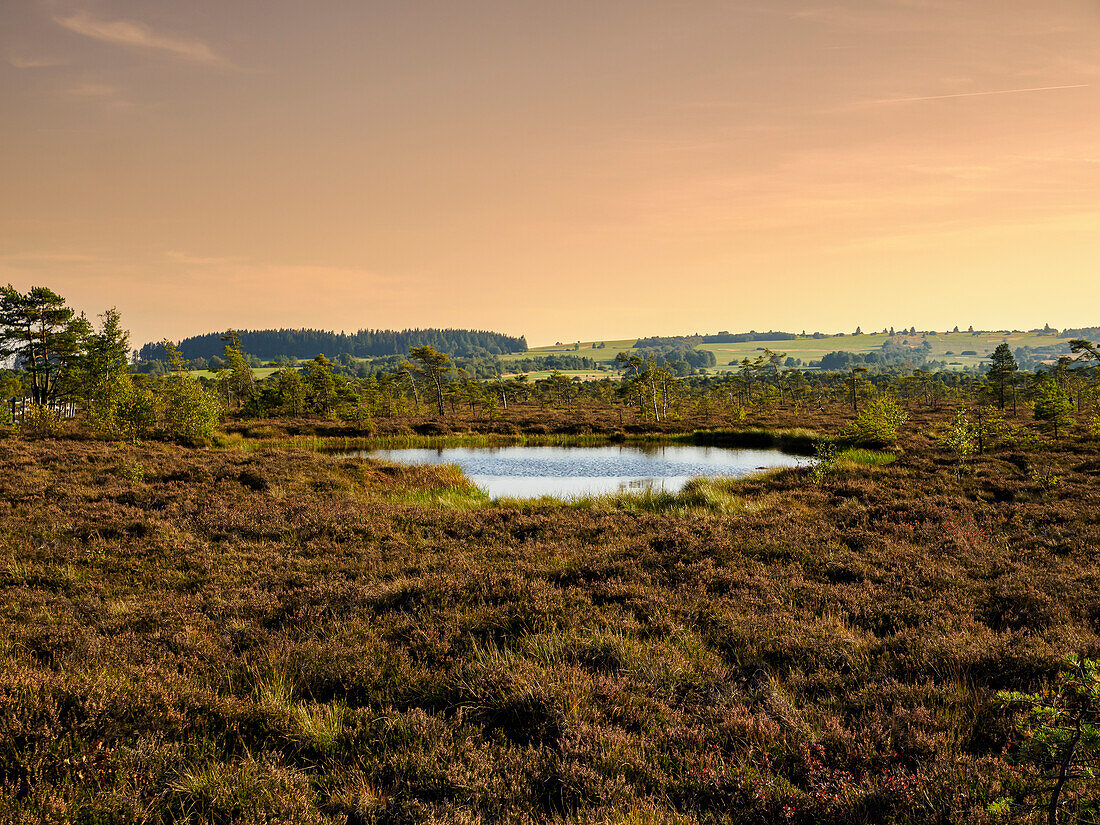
point(224, 635)
point(207, 618)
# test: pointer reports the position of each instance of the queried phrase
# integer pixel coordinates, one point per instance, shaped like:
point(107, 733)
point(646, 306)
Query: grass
point(257, 372)
point(857, 457)
point(942, 343)
point(700, 496)
point(229, 635)
point(583, 375)
point(606, 353)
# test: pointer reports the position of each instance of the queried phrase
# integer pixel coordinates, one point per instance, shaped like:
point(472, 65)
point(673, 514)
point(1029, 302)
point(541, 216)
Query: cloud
point(48, 257)
point(194, 260)
point(980, 94)
point(129, 33)
point(21, 62)
point(91, 90)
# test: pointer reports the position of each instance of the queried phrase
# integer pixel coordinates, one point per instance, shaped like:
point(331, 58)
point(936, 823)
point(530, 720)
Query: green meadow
point(946, 346)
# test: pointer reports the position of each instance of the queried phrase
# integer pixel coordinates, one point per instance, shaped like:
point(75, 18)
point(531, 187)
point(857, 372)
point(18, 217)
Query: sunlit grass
point(859, 457)
point(435, 485)
point(700, 496)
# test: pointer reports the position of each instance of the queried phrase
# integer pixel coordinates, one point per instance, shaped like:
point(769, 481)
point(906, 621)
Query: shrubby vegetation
point(65, 367)
point(878, 423)
point(262, 632)
point(238, 636)
point(88, 370)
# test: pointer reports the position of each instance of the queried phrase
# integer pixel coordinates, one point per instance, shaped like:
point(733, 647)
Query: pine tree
point(1082, 345)
point(433, 365)
point(108, 349)
point(1002, 373)
point(1052, 404)
point(46, 337)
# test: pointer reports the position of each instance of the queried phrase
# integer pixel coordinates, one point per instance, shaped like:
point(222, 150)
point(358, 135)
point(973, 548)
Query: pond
point(567, 472)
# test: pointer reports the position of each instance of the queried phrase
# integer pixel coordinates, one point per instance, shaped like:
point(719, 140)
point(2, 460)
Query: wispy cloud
point(194, 260)
point(22, 62)
point(91, 90)
point(48, 257)
point(979, 94)
point(129, 33)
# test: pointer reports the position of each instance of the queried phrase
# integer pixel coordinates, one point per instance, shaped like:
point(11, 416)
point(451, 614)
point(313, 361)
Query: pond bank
point(796, 441)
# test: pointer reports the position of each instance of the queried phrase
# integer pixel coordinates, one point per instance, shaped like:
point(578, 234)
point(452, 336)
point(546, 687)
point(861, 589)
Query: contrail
point(982, 94)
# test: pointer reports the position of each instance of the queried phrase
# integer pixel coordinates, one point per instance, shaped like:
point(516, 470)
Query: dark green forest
point(366, 343)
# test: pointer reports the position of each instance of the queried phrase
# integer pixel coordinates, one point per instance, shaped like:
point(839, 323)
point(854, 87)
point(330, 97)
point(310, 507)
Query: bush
point(41, 421)
point(877, 423)
point(120, 409)
point(826, 461)
point(187, 411)
point(1092, 426)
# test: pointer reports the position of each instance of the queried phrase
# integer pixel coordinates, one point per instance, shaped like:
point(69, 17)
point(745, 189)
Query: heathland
point(261, 632)
point(207, 616)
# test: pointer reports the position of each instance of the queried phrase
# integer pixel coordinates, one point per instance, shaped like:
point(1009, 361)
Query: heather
point(269, 633)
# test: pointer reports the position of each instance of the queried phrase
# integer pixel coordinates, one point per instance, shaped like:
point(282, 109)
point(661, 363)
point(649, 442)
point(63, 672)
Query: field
point(809, 348)
point(260, 633)
point(258, 372)
point(946, 346)
point(583, 375)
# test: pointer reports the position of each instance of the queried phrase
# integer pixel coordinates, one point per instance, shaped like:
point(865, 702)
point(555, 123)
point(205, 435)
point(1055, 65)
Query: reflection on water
point(565, 472)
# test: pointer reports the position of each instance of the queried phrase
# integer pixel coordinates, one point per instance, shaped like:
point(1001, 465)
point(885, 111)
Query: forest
point(212, 615)
point(366, 343)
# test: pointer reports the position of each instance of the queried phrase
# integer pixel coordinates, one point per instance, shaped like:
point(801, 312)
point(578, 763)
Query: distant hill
point(954, 350)
point(366, 343)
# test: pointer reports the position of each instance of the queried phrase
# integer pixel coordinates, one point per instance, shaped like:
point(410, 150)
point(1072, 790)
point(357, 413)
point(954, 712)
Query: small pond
point(567, 472)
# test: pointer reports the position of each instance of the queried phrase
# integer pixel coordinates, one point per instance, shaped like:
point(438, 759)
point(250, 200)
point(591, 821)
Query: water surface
point(567, 472)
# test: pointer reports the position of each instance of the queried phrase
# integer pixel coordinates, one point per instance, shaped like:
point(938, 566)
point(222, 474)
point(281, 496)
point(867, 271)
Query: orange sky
point(574, 169)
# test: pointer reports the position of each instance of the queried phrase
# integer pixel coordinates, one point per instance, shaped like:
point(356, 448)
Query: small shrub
point(877, 423)
point(825, 463)
point(40, 421)
point(187, 411)
point(132, 471)
point(961, 438)
point(1044, 478)
point(1092, 426)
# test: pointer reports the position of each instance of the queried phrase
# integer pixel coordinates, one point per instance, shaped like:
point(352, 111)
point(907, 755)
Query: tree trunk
point(1063, 773)
point(439, 394)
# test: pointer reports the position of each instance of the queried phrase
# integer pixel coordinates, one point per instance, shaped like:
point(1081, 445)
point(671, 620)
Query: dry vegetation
point(281, 636)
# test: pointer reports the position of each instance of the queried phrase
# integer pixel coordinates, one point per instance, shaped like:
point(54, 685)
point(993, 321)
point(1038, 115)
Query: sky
point(567, 170)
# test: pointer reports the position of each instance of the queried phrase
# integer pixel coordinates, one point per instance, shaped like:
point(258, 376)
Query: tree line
point(366, 343)
point(61, 361)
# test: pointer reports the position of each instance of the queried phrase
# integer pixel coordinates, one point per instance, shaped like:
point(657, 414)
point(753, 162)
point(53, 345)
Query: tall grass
point(700, 496)
point(861, 457)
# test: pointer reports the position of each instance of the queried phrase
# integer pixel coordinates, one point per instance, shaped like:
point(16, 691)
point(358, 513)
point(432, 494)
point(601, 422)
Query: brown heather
point(275, 635)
